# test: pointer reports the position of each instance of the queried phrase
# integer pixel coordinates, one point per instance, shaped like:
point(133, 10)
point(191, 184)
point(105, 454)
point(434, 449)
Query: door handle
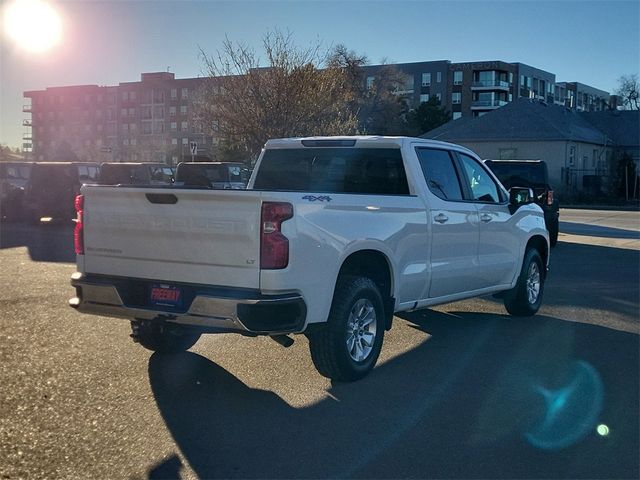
point(485, 218)
point(441, 218)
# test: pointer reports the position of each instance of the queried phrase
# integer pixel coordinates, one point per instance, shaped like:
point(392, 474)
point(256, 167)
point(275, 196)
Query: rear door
point(192, 236)
point(454, 226)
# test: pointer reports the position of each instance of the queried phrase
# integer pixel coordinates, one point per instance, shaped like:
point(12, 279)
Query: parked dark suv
point(533, 174)
point(13, 179)
point(53, 186)
point(135, 173)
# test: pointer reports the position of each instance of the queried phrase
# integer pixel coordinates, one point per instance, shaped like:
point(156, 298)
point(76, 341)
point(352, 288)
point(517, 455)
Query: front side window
point(439, 173)
point(333, 170)
point(481, 186)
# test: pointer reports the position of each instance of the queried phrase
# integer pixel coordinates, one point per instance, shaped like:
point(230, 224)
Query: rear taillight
point(274, 246)
point(550, 197)
point(78, 234)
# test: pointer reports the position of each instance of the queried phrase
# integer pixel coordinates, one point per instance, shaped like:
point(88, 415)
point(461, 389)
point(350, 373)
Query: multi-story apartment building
point(149, 120)
point(581, 97)
point(155, 119)
point(471, 88)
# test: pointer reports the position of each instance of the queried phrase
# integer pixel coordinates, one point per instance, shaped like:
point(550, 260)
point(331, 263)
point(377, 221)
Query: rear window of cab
point(333, 170)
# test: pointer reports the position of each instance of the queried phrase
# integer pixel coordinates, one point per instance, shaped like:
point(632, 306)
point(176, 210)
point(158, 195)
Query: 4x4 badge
point(313, 198)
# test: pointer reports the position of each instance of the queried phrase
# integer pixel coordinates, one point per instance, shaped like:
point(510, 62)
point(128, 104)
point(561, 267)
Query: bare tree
point(629, 91)
point(379, 104)
point(295, 94)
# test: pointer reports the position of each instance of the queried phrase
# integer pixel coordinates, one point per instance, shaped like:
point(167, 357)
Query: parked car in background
point(13, 179)
point(52, 187)
point(533, 174)
point(219, 175)
point(135, 173)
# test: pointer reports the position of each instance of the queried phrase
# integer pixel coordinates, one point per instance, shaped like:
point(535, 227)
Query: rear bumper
point(214, 309)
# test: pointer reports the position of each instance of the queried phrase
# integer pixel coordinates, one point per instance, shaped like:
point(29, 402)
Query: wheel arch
point(375, 265)
point(540, 243)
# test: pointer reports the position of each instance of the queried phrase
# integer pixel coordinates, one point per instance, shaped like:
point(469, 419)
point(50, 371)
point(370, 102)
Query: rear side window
point(333, 170)
point(440, 173)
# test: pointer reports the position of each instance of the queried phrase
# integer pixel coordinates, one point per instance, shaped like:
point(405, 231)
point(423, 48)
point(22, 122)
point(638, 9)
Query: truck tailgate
point(195, 236)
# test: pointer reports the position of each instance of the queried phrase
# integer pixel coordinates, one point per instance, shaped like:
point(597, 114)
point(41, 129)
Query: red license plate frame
point(161, 295)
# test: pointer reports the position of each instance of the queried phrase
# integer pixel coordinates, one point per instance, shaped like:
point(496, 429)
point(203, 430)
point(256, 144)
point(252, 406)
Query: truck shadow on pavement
point(45, 242)
point(485, 396)
point(574, 228)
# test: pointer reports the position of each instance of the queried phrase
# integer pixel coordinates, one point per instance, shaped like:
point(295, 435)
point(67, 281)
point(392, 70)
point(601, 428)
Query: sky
point(108, 42)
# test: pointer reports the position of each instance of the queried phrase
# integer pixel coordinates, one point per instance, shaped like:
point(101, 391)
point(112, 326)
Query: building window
point(438, 77)
point(172, 111)
point(424, 97)
point(123, 112)
point(174, 93)
point(185, 93)
point(174, 126)
point(158, 96)
point(185, 141)
point(132, 127)
point(370, 81)
point(132, 96)
point(439, 97)
point(146, 128)
point(184, 126)
point(174, 141)
point(508, 153)
point(158, 127)
point(132, 112)
point(572, 155)
point(457, 77)
point(125, 96)
point(426, 79)
point(456, 97)
point(158, 112)
point(183, 110)
point(134, 141)
point(125, 141)
point(145, 113)
point(457, 115)
point(125, 127)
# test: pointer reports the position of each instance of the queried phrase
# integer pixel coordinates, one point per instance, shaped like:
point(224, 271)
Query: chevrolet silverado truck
point(331, 238)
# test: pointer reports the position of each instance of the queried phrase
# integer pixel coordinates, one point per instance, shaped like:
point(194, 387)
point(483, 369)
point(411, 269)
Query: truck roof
point(362, 141)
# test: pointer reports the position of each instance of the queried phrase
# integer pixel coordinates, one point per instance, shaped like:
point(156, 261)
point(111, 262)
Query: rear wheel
point(163, 337)
point(525, 298)
point(348, 346)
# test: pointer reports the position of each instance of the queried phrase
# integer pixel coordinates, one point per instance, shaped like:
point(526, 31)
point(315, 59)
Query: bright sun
point(32, 24)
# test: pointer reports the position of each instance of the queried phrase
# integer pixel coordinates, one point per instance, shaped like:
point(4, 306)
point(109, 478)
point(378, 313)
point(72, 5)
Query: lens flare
point(33, 25)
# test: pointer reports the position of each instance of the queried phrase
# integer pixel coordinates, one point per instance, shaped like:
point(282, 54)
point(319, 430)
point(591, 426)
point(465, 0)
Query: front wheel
point(348, 346)
point(163, 337)
point(525, 298)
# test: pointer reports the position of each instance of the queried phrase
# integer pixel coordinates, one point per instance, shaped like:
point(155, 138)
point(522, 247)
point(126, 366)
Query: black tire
point(340, 350)
point(525, 298)
point(163, 337)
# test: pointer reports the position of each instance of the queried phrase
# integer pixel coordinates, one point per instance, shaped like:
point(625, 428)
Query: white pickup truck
point(331, 238)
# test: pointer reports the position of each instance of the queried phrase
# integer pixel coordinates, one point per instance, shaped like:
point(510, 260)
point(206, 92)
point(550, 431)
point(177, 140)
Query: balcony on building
point(26, 108)
point(27, 137)
point(487, 104)
point(490, 80)
point(490, 85)
point(27, 123)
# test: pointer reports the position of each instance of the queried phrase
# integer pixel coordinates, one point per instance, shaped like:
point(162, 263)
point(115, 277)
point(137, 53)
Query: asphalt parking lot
point(461, 390)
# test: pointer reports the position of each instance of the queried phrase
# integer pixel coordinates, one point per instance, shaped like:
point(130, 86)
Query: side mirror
point(519, 196)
